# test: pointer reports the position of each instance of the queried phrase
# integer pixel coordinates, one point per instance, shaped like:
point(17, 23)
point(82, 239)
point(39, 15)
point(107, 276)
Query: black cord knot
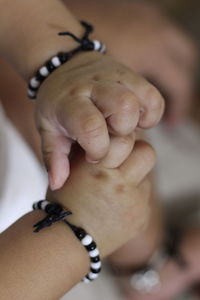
point(85, 43)
point(54, 215)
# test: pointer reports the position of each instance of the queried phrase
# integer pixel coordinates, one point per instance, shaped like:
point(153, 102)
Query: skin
point(174, 280)
point(143, 245)
point(37, 58)
point(25, 66)
point(118, 185)
point(21, 50)
point(110, 97)
point(26, 265)
point(141, 36)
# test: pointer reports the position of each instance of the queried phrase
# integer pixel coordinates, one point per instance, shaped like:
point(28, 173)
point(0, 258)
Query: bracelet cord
point(56, 213)
point(85, 44)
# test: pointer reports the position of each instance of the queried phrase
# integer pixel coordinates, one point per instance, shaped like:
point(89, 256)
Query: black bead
point(87, 45)
point(80, 233)
point(35, 206)
point(53, 208)
point(88, 278)
point(50, 66)
point(34, 89)
point(91, 246)
point(39, 204)
point(63, 57)
point(96, 271)
point(95, 259)
point(39, 77)
point(101, 46)
point(32, 97)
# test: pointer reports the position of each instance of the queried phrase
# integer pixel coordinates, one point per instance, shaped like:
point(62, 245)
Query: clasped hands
point(99, 104)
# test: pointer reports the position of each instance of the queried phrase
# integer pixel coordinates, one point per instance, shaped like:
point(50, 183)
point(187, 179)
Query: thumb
point(55, 149)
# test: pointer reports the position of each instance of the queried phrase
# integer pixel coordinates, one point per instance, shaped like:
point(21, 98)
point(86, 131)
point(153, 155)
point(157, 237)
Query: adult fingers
point(139, 163)
point(85, 124)
point(119, 105)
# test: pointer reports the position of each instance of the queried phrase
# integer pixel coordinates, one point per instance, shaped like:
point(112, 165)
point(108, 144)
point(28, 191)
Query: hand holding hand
point(87, 99)
point(111, 203)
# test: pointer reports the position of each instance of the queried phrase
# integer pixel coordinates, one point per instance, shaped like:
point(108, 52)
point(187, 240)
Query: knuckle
point(92, 126)
point(126, 143)
point(81, 88)
point(47, 150)
point(128, 103)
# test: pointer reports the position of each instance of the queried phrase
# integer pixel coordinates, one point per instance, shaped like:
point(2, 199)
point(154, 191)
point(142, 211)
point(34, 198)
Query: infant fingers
point(139, 164)
point(120, 148)
point(85, 124)
point(119, 105)
point(150, 100)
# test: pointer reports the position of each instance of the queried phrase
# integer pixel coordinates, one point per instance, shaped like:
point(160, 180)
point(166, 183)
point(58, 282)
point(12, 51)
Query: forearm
point(39, 266)
point(29, 32)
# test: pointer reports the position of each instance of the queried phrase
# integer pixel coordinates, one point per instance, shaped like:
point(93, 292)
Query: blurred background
point(163, 45)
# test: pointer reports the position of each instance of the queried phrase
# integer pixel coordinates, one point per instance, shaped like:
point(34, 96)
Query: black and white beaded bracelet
point(55, 213)
point(85, 44)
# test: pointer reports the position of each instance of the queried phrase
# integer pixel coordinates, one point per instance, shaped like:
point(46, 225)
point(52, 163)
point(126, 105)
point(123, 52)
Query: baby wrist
point(83, 44)
point(55, 212)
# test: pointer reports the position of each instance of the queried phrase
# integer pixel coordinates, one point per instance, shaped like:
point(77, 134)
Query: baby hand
point(86, 99)
point(110, 203)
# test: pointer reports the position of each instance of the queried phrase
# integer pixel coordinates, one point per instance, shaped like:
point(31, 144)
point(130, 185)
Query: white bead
point(34, 83)
point(97, 45)
point(96, 266)
point(31, 93)
point(44, 204)
point(103, 49)
point(44, 71)
point(86, 280)
point(92, 275)
point(94, 253)
point(55, 61)
point(87, 240)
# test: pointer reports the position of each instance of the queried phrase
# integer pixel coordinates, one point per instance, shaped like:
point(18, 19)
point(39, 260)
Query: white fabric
point(23, 181)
